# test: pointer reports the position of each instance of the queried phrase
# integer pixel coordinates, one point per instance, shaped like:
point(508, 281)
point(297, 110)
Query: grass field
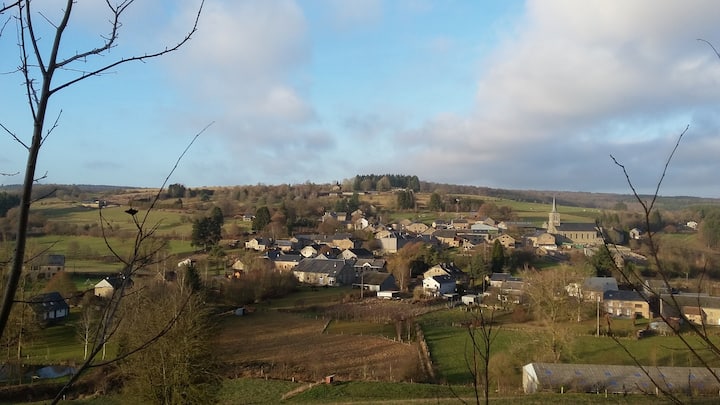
point(519, 344)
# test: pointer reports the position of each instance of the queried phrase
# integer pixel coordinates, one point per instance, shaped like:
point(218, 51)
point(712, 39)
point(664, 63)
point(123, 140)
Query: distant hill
point(563, 198)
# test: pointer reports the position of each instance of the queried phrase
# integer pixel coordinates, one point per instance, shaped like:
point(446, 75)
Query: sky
point(509, 94)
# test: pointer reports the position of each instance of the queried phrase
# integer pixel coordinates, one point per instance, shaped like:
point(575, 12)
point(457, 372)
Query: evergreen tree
point(354, 203)
point(176, 191)
point(192, 279)
point(405, 200)
point(216, 215)
point(602, 261)
point(206, 233)
point(497, 260)
point(8, 201)
point(435, 203)
point(262, 218)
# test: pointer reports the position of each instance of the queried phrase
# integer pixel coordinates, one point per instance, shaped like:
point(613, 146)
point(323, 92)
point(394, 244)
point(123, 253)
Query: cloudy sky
point(508, 94)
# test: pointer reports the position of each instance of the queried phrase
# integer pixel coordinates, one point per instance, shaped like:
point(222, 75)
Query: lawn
point(55, 344)
point(88, 254)
point(519, 344)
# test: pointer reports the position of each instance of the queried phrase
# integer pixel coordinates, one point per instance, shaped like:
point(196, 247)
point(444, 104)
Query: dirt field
point(288, 345)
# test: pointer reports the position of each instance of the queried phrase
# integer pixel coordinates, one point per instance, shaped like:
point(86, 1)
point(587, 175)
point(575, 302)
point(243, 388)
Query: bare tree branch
point(711, 46)
point(110, 43)
point(38, 101)
point(698, 331)
point(14, 136)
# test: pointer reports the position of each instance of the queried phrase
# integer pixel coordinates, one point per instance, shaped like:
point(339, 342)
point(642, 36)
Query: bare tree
point(39, 68)
point(694, 335)
point(482, 332)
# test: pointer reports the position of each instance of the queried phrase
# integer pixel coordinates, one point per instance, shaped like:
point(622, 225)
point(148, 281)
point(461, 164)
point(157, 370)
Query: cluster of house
point(51, 307)
point(336, 260)
point(654, 299)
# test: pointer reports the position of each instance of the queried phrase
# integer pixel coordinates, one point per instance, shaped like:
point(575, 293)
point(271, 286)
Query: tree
point(383, 184)
point(206, 233)
point(8, 201)
point(354, 203)
point(262, 218)
point(405, 199)
point(407, 261)
point(45, 72)
point(697, 338)
point(413, 183)
point(90, 317)
point(435, 203)
point(62, 282)
point(497, 258)
point(710, 228)
point(180, 368)
point(602, 262)
point(38, 69)
point(482, 332)
point(216, 215)
point(552, 307)
point(176, 191)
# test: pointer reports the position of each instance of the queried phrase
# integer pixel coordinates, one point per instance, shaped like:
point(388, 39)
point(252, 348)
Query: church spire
point(553, 218)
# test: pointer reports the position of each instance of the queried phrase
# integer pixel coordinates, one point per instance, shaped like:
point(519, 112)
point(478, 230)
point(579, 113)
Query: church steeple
point(553, 218)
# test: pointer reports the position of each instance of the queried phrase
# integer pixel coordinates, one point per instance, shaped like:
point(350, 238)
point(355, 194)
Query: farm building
point(106, 287)
point(375, 281)
point(538, 377)
point(471, 299)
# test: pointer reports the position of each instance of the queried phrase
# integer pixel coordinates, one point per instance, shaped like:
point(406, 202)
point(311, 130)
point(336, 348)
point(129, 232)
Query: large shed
point(617, 379)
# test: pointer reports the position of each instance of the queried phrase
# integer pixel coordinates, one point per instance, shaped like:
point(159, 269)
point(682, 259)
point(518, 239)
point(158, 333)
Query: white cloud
point(578, 81)
point(352, 13)
point(242, 66)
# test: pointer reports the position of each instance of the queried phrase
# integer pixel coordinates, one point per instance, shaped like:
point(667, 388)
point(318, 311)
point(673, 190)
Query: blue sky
point(508, 94)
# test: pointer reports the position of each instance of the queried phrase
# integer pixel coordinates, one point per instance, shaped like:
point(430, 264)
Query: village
point(340, 260)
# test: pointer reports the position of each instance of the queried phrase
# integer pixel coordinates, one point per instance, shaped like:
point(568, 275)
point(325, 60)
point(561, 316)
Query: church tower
point(553, 219)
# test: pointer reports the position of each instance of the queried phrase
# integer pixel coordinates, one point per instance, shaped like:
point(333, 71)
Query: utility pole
point(597, 329)
point(362, 283)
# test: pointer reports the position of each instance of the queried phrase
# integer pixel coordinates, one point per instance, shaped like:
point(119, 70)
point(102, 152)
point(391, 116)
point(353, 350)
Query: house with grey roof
point(696, 308)
point(50, 307)
point(46, 266)
point(370, 264)
point(592, 288)
point(325, 272)
point(439, 285)
point(625, 303)
point(375, 281)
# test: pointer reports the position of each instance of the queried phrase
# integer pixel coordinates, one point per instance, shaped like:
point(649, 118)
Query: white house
point(439, 285)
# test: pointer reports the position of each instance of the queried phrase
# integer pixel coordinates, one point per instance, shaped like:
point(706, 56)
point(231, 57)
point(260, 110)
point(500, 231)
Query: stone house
point(47, 266)
point(258, 244)
point(626, 304)
point(507, 241)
